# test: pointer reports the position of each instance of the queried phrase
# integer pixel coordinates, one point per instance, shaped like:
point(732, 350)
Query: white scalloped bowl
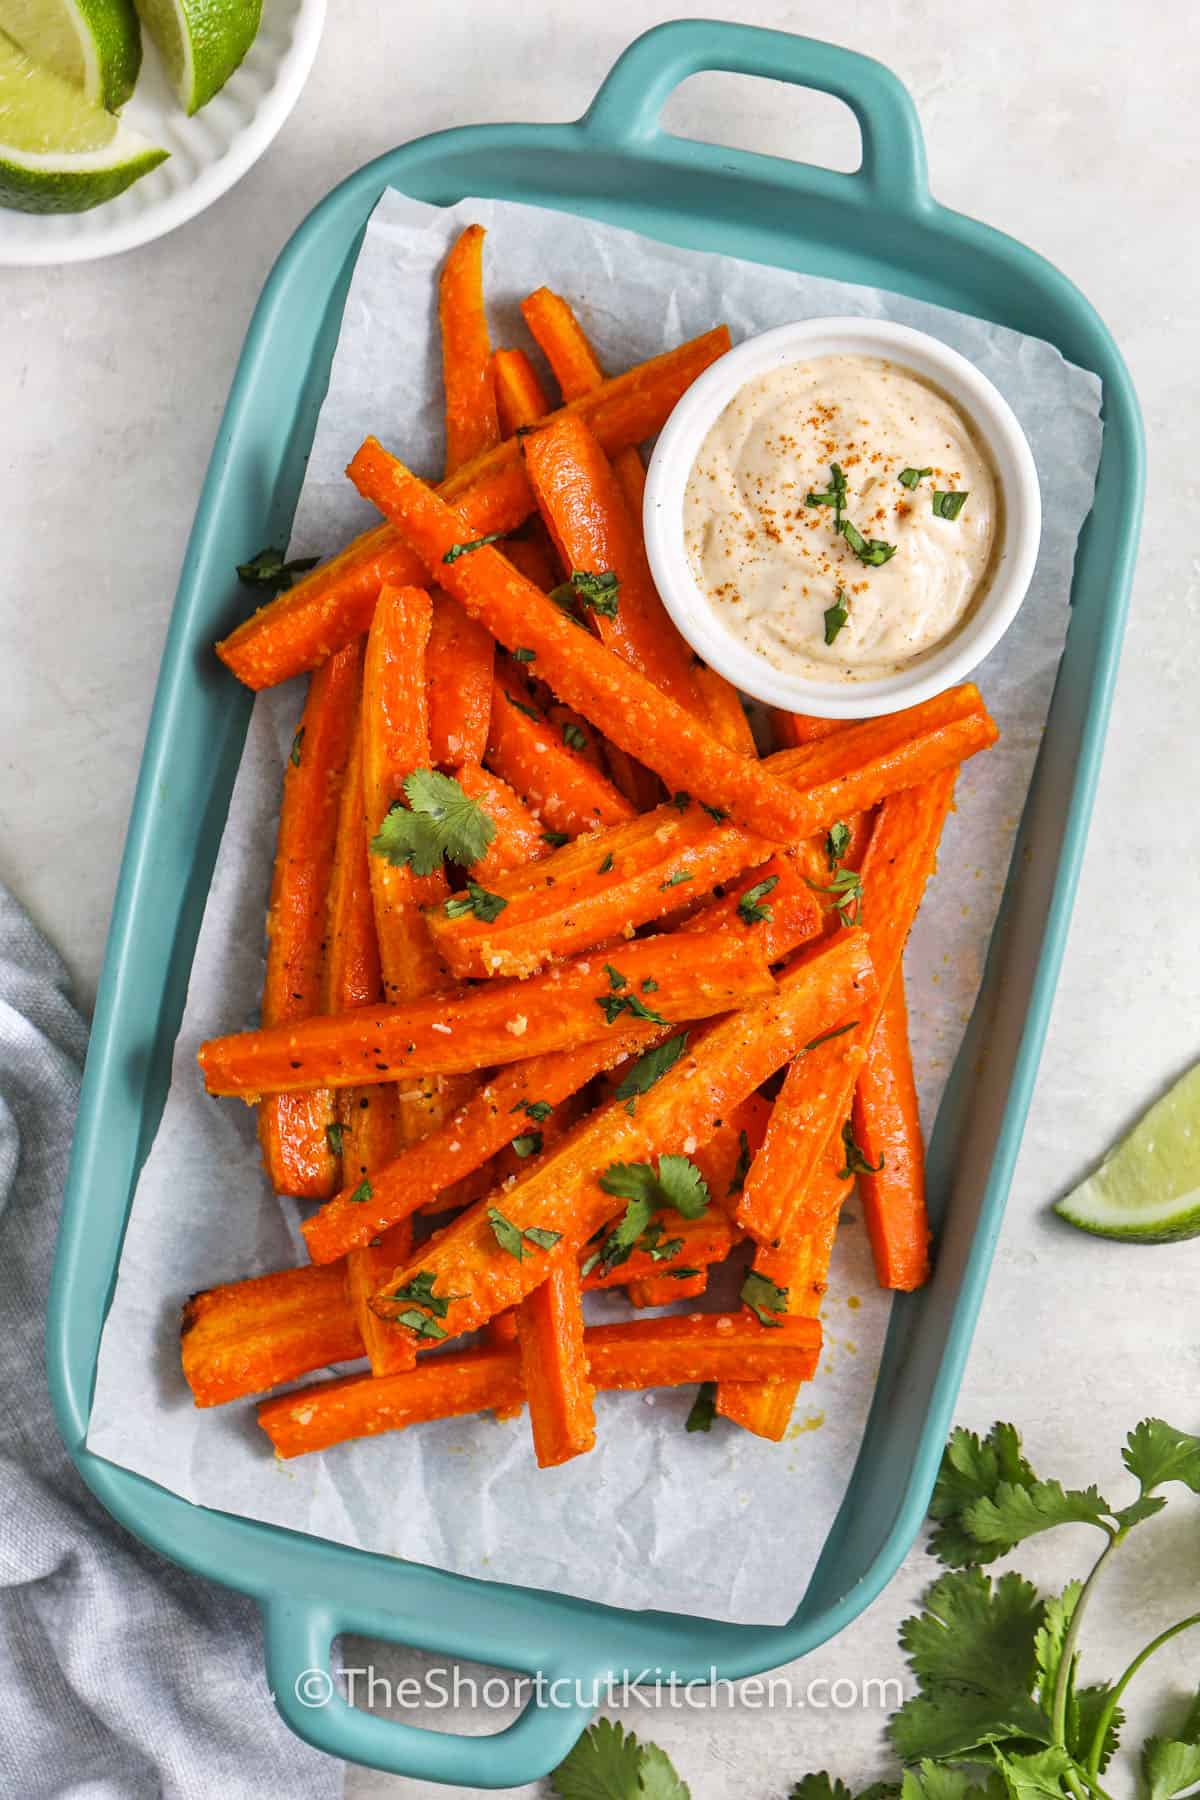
point(208, 152)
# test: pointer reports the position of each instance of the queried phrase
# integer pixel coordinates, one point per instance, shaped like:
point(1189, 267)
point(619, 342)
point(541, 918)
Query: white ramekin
point(1020, 515)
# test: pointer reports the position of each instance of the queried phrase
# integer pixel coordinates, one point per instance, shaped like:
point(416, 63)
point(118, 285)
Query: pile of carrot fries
point(555, 958)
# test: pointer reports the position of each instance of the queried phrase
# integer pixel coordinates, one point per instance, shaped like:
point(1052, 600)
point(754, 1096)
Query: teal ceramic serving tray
point(878, 225)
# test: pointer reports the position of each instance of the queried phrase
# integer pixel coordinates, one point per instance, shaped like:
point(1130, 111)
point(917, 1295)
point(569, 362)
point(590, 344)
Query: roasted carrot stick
point(293, 1130)
point(790, 730)
point(816, 1096)
point(715, 1074)
point(519, 840)
point(639, 1353)
point(579, 897)
point(887, 1130)
point(388, 1347)
point(724, 710)
point(520, 396)
point(458, 669)
point(797, 1267)
point(461, 1030)
point(508, 1104)
point(554, 1368)
point(561, 785)
point(585, 512)
point(683, 1244)
point(302, 626)
point(616, 697)
point(472, 424)
point(395, 726)
point(247, 1336)
point(685, 1274)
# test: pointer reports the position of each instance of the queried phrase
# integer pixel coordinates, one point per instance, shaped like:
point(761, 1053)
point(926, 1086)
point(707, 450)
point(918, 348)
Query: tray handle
point(299, 1640)
point(625, 112)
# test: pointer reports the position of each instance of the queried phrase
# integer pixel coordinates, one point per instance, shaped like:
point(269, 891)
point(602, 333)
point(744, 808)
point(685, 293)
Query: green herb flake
point(837, 842)
point(268, 569)
point(574, 736)
point(846, 891)
point(679, 876)
point(333, 1137)
point(741, 1167)
point(294, 754)
point(717, 814)
point(530, 712)
point(948, 505)
point(362, 1192)
point(650, 1068)
point(528, 1143)
point(598, 592)
point(476, 900)
point(834, 496)
point(872, 551)
point(856, 1162)
point(616, 980)
point(555, 839)
point(537, 1110)
point(750, 908)
point(704, 1408)
point(763, 1297)
point(910, 477)
point(456, 550)
point(524, 656)
point(514, 1238)
point(835, 616)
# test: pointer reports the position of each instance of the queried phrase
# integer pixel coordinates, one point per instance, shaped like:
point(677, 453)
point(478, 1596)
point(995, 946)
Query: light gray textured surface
point(1075, 130)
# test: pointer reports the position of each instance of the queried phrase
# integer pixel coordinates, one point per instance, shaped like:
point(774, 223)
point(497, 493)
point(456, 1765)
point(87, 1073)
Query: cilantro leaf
point(294, 752)
point(835, 616)
point(910, 477)
point(763, 1297)
point(703, 1409)
point(819, 1786)
point(556, 839)
point(1035, 1776)
point(650, 1068)
point(268, 569)
point(972, 1469)
point(846, 891)
point(1050, 1640)
point(531, 712)
point(616, 980)
point(456, 550)
point(514, 1238)
point(598, 592)
point(678, 1183)
point(420, 1322)
point(1155, 1452)
point(538, 1110)
point(617, 1244)
point(574, 736)
point(613, 1005)
point(334, 1135)
point(943, 1781)
point(1013, 1513)
point(363, 1191)
point(440, 821)
point(527, 1143)
point(659, 1778)
point(872, 551)
point(837, 842)
point(750, 909)
point(419, 1292)
point(522, 655)
point(1169, 1767)
point(835, 495)
point(948, 505)
point(675, 879)
point(476, 900)
point(1083, 1721)
point(856, 1162)
point(605, 1764)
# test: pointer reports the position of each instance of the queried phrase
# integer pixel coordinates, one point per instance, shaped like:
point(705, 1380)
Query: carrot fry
point(387, 1345)
point(533, 554)
point(247, 1336)
point(772, 905)
point(585, 512)
point(887, 1129)
point(458, 668)
point(638, 1353)
point(520, 396)
point(577, 897)
point(395, 742)
point(615, 696)
point(798, 1266)
point(563, 1194)
point(472, 424)
point(558, 783)
point(560, 337)
point(301, 627)
point(640, 786)
point(293, 1130)
point(490, 1119)
point(817, 1093)
point(701, 1242)
point(668, 1280)
point(790, 730)
point(462, 1030)
point(554, 1368)
point(519, 839)
point(724, 711)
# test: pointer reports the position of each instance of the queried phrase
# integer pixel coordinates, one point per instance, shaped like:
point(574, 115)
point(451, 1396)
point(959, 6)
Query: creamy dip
point(763, 502)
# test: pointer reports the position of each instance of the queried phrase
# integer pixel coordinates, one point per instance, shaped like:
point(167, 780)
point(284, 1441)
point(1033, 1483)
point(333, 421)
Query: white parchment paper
point(622, 1525)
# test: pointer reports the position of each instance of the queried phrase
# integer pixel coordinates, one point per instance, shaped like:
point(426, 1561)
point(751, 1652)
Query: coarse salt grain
point(518, 1025)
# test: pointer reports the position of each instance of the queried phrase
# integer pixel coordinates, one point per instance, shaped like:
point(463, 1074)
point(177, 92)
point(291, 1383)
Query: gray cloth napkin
point(121, 1678)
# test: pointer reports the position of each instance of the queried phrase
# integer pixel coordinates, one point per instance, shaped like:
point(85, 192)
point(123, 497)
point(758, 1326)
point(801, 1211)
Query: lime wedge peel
point(58, 153)
point(201, 42)
point(1147, 1189)
point(94, 45)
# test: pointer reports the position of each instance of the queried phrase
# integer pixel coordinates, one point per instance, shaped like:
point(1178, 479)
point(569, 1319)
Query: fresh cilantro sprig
point(999, 1713)
point(871, 551)
point(676, 1184)
point(750, 908)
point(846, 891)
point(440, 822)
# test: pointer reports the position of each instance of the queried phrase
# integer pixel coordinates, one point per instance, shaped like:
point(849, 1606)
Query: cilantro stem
point(1062, 1686)
point(1114, 1699)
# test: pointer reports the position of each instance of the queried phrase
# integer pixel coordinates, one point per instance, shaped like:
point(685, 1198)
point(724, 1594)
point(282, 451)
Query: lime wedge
point(58, 153)
point(96, 45)
point(201, 42)
point(1147, 1189)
